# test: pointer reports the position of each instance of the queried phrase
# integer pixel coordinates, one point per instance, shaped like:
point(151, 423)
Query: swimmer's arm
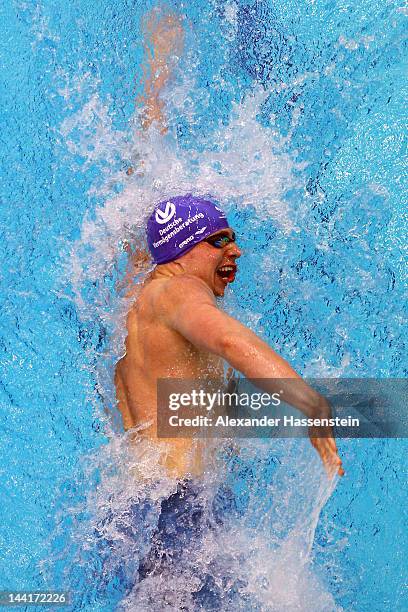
point(164, 38)
point(194, 314)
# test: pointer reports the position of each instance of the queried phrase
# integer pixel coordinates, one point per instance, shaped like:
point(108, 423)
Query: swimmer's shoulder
point(168, 293)
point(160, 296)
point(183, 286)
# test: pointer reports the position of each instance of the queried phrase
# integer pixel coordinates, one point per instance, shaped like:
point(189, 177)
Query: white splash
point(245, 165)
point(269, 548)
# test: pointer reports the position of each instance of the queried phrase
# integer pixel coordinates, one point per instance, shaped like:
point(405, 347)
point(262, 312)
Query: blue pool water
point(292, 114)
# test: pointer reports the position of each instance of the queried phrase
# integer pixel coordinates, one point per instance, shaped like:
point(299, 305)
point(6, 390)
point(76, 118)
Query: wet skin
point(174, 325)
point(176, 330)
point(155, 349)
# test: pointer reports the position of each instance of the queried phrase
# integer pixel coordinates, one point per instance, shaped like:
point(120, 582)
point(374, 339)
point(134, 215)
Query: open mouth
point(227, 273)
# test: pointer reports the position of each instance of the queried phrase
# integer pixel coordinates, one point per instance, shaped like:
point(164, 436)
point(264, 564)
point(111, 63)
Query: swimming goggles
point(220, 242)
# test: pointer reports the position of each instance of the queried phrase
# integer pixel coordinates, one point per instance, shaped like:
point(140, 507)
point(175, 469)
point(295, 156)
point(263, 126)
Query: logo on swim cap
point(192, 220)
point(164, 216)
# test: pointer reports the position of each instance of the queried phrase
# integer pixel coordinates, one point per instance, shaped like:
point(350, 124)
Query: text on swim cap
point(169, 226)
point(177, 229)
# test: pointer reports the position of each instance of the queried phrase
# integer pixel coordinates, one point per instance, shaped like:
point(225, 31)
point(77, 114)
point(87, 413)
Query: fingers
point(327, 449)
point(336, 465)
point(332, 466)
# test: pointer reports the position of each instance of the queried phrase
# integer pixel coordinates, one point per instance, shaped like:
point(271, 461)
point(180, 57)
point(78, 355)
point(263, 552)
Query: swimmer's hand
point(323, 441)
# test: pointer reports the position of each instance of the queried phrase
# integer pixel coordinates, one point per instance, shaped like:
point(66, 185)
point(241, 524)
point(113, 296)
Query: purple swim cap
point(176, 225)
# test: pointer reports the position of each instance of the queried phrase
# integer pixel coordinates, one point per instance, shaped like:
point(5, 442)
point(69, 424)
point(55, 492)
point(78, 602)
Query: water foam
point(260, 560)
point(257, 557)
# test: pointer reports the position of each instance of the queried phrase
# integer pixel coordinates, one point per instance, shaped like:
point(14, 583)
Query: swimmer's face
point(215, 266)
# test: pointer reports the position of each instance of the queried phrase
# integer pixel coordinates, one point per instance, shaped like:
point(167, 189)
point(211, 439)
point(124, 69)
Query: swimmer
point(175, 329)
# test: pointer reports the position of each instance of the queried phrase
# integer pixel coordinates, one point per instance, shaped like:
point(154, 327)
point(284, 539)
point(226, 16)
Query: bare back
point(154, 350)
